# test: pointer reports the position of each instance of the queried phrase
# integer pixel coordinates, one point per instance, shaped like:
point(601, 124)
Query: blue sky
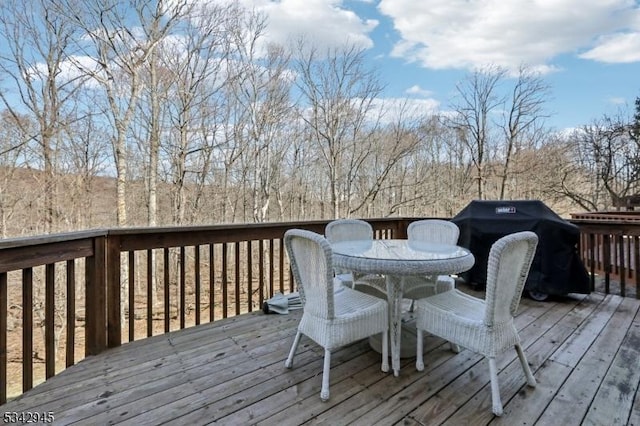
point(588, 51)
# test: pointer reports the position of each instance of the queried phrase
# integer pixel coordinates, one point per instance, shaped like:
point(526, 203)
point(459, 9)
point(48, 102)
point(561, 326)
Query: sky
point(587, 51)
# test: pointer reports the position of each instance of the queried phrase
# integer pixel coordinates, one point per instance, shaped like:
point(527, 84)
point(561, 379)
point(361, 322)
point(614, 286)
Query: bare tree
point(38, 41)
point(338, 94)
point(84, 157)
point(400, 138)
point(561, 173)
point(523, 118)
point(456, 173)
point(478, 98)
point(599, 165)
point(634, 130)
point(260, 92)
point(120, 37)
point(196, 67)
point(616, 154)
point(298, 188)
point(12, 159)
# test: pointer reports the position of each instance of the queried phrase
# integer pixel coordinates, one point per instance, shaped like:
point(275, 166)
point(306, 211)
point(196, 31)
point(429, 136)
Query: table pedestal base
point(408, 339)
point(407, 343)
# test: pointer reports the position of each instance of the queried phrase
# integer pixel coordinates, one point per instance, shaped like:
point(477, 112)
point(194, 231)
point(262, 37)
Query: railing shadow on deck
point(92, 290)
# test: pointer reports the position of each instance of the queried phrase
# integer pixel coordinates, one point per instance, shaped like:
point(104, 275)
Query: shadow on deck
point(584, 351)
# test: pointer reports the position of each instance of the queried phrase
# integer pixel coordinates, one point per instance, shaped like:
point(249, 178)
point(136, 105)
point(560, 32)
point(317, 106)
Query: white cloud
point(464, 34)
point(617, 101)
point(616, 48)
point(390, 110)
point(417, 90)
point(327, 23)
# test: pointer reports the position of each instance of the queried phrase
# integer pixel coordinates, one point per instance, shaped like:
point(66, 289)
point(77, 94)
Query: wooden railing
point(89, 291)
point(67, 296)
point(18, 280)
point(610, 250)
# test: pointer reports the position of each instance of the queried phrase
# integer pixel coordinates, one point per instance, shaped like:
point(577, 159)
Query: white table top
point(401, 257)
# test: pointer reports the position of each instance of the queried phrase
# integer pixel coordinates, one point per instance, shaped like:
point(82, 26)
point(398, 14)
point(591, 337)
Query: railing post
point(401, 228)
point(636, 264)
point(49, 320)
point(3, 336)
point(114, 326)
point(592, 260)
point(622, 270)
point(606, 255)
point(95, 304)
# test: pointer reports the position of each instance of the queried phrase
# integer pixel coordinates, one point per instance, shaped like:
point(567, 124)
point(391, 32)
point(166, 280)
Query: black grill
point(556, 269)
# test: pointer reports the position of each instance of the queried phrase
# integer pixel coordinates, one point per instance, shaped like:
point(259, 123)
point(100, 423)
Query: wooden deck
point(584, 351)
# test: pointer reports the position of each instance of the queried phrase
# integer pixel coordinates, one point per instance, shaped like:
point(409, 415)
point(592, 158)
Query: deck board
point(613, 400)
point(584, 352)
point(591, 355)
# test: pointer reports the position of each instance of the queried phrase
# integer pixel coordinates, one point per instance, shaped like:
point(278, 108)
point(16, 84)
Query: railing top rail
point(51, 238)
point(200, 228)
point(611, 212)
point(609, 223)
point(612, 227)
point(619, 218)
point(239, 226)
point(240, 230)
point(630, 216)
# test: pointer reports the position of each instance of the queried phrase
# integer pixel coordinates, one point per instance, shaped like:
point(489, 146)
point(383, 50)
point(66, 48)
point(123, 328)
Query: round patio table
point(396, 260)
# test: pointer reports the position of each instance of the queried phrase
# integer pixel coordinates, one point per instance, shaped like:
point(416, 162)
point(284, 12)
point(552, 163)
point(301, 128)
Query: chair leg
point(495, 388)
point(531, 381)
point(385, 351)
point(324, 392)
point(419, 350)
point(289, 361)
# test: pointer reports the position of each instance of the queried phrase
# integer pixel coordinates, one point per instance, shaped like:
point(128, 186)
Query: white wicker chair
point(331, 319)
point(484, 326)
point(348, 230)
point(431, 231)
